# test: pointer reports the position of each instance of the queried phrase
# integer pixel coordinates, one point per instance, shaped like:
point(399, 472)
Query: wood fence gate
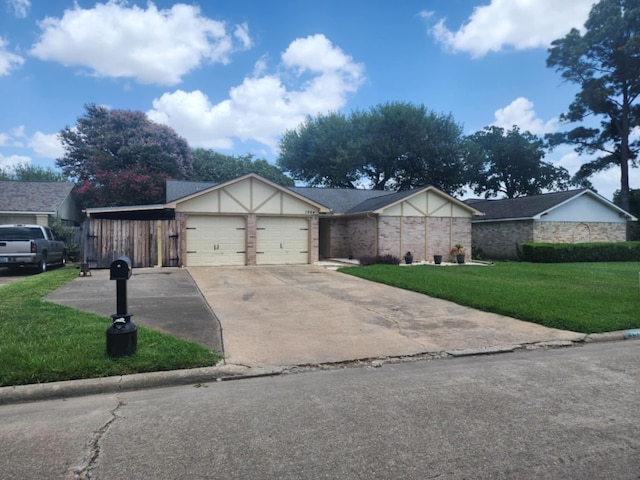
point(104, 240)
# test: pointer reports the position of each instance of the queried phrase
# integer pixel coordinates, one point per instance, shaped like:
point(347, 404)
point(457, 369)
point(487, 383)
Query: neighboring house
point(253, 221)
point(562, 217)
point(37, 202)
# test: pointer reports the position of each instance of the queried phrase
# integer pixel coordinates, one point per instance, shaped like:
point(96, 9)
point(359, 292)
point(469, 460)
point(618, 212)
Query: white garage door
point(282, 241)
point(216, 241)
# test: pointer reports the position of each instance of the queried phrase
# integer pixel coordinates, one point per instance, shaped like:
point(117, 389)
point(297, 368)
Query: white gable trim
point(596, 197)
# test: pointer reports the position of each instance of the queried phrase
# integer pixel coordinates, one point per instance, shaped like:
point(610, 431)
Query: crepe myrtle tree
point(120, 157)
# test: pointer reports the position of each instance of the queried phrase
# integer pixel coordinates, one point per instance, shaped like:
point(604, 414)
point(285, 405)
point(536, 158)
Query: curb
point(117, 384)
point(613, 336)
point(122, 383)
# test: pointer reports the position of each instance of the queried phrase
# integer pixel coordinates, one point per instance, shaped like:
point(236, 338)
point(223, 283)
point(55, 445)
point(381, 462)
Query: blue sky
point(234, 75)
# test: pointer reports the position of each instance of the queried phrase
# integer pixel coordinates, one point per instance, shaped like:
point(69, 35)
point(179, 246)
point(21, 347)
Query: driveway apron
point(293, 315)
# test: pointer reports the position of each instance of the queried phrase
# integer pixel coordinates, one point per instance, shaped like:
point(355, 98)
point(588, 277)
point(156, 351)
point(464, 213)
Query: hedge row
point(373, 259)
point(581, 252)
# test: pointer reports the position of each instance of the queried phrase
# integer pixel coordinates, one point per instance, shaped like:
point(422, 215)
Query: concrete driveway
point(293, 315)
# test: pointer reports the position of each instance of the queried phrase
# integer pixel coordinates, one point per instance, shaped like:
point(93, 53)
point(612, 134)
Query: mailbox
point(122, 335)
point(121, 269)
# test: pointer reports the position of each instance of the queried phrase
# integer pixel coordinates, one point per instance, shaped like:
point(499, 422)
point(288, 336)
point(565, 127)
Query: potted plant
point(408, 258)
point(457, 253)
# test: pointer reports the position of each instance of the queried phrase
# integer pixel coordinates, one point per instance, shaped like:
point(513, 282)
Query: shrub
point(581, 252)
point(373, 259)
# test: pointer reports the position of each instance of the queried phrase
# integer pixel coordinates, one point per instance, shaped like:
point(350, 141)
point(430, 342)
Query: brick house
point(562, 217)
point(253, 221)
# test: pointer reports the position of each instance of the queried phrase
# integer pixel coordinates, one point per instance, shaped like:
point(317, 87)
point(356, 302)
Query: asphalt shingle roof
point(522, 207)
point(180, 188)
point(43, 197)
point(341, 200)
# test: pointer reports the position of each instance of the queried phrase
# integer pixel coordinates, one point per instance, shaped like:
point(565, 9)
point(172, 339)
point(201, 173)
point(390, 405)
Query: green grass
point(582, 297)
point(45, 342)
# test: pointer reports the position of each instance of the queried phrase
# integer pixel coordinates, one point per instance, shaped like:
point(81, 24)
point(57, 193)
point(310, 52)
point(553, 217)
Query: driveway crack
point(83, 471)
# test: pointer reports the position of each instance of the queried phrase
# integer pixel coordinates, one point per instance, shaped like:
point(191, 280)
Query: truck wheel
point(42, 266)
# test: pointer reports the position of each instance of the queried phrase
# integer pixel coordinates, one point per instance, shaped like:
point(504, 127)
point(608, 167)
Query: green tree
point(26, 172)
point(510, 163)
point(120, 157)
point(605, 63)
point(634, 209)
point(392, 146)
point(210, 166)
point(321, 152)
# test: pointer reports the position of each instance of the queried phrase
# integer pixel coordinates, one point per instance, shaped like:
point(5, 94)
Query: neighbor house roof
point(33, 197)
point(533, 207)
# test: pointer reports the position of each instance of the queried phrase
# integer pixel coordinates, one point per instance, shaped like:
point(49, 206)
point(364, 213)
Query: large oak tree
point(120, 157)
point(394, 145)
point(509, 163)
point(605, 63)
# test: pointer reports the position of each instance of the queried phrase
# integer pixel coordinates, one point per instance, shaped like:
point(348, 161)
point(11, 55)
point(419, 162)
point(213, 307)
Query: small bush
point(581, 252)
point(373, 259)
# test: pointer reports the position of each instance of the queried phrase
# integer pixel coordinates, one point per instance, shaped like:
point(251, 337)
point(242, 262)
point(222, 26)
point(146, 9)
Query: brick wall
point(397, 235)
point(572, 232)
point(500, 240)
point(314, 241)
point(361, 233)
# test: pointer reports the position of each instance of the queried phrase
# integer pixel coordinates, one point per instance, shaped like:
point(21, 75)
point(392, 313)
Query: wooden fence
point(104, 240)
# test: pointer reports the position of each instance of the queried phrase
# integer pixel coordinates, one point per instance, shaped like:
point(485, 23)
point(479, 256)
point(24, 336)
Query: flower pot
point(437, 259)
point(460, 258)
point(408, 260)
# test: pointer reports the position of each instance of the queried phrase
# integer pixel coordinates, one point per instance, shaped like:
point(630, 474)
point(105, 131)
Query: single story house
point(562, 217)
point(37, 202)
point(253, 221)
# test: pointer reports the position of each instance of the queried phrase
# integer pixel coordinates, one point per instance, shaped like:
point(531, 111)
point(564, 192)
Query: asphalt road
point(557, 414)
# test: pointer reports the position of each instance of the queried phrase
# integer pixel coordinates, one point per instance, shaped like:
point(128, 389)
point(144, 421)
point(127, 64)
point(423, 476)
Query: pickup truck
point(30, 246)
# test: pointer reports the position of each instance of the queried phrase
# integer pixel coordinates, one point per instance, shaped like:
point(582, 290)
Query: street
point(556, 414)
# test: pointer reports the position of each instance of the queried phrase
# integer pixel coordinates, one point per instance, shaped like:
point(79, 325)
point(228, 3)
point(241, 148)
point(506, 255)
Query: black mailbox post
point(122, 334)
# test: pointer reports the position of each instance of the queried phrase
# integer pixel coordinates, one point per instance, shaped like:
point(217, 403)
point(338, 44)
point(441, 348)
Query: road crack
point(83, 471)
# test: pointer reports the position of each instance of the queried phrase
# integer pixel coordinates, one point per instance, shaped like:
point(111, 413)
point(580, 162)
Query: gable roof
point(200, 188)
point(33, 197)
point(345, 201)
point(533, 207)
point(181, 188)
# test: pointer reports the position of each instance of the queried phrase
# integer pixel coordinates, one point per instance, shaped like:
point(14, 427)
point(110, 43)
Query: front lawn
point(583, 297)
point(45, 342)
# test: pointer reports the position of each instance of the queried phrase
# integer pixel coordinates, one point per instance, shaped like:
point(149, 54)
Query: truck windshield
point(12, 234)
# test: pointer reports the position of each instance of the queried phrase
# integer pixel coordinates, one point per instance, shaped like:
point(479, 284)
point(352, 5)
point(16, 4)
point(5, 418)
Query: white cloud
point(20, 8)
point(8, 60)
point(46, 146)
point(150, 45)
point(12, 161)
point(314, 76)
point(41, 145)
point(520, 112)
point(519, 24)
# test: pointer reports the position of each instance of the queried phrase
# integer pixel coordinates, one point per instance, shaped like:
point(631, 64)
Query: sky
point(233, 76)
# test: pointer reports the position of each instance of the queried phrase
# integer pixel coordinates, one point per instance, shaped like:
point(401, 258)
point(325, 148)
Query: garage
point(282, 241)
point(216, 240)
